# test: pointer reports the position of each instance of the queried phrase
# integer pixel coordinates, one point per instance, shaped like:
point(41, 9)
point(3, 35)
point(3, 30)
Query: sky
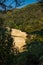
point(24, 3)
point(28, 2)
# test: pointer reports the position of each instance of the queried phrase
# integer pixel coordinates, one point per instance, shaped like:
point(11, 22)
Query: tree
point(35, 53)
point(40, 1)
point(7, 54)
point(4, 4)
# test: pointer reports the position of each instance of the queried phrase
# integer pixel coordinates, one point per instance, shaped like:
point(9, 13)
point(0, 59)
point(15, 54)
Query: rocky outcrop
point(19, 38)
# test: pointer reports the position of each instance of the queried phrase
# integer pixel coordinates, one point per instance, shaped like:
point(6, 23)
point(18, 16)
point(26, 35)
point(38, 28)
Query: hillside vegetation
point(27, 19)
point(31, 16)
point(30, 20)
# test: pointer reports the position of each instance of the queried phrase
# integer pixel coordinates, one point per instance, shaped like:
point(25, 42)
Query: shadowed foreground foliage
point(32, 17)
point(7, 55)
point(33, 55)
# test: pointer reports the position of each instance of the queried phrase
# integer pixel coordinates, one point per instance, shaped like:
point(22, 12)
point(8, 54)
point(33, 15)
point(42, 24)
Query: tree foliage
point(4, 4)
point(33, 54)
point(40, 0)
point(7, 54)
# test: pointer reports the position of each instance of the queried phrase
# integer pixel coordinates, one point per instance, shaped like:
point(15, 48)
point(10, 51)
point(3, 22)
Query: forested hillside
point(30, 20)
point(31, 16)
